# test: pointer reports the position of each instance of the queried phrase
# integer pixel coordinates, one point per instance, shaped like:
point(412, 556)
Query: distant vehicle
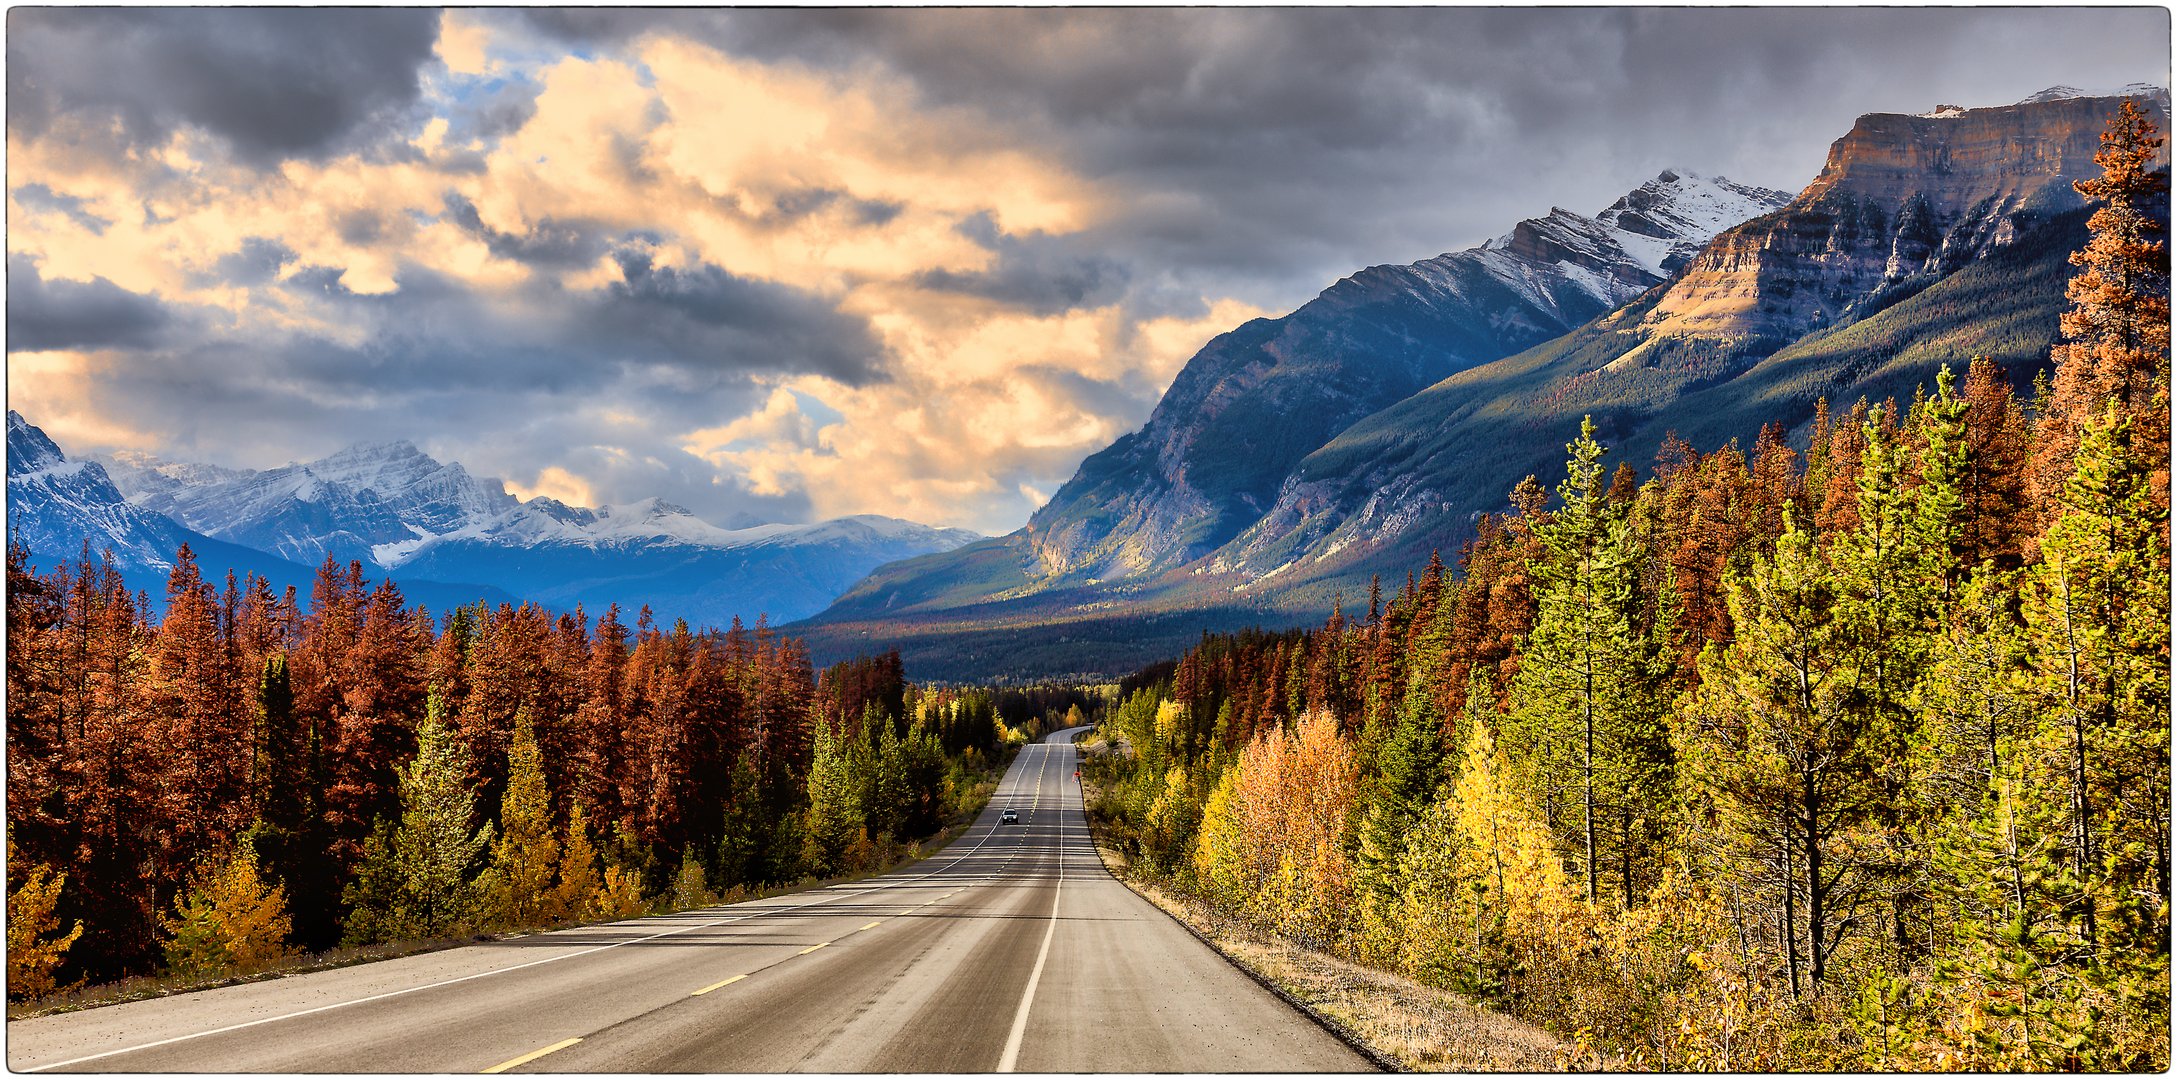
point(1009, 817)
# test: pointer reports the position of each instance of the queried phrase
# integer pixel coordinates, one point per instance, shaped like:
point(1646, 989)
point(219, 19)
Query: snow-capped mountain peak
point(426, 522)
point(29, 450)
point(348, 505)
point(1661, 223)
point(2060, 93)
point(55, 505)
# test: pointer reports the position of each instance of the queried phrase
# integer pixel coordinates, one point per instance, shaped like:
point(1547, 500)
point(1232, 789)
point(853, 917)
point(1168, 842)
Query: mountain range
point(1294, 458)
point(447, 537)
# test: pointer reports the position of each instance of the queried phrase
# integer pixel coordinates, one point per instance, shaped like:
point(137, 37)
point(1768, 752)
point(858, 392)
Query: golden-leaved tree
point(1273, 835)
point(231, 921)
point(36, 945)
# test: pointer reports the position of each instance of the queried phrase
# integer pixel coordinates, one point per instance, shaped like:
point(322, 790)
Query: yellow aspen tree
point(36, 945)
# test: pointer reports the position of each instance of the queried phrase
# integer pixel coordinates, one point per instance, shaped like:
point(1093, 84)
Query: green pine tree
point(415, 879)
point(1589, 700)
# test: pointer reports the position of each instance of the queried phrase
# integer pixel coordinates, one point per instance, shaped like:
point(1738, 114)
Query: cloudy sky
point(787, 265)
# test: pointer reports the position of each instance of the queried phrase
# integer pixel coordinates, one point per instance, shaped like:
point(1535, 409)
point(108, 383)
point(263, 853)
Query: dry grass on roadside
point(1420, 1028)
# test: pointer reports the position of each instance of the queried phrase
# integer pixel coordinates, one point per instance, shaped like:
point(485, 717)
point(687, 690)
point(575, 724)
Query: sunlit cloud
point(787, 265)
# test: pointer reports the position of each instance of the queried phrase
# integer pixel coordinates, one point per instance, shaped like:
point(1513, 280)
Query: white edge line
point(993, 831)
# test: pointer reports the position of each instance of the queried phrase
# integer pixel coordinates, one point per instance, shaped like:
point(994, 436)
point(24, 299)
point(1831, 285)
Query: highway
point(1010, 950)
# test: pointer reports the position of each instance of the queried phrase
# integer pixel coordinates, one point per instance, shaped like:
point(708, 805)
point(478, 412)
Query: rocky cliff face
point(1902, 202)
point(1257, 400)
point(1905, 206)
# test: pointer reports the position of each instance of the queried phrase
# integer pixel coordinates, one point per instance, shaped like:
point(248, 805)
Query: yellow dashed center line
point(532, 1056)
point(812, 948)
point(873, 925)
point(718, 984)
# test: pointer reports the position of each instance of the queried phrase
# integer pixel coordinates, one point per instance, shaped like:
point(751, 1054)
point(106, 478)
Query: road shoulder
point(1396, 1023)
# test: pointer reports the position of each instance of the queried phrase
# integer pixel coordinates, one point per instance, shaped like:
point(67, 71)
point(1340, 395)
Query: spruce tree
point(415, 879)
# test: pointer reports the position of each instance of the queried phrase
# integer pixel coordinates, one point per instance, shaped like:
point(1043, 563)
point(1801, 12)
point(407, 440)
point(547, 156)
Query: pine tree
point(2117, 331)
point(1588, 700)
point(1998, 455)
point(415, 879)
point(516, 890)
point(1776, 743)
point(2097, 614)
point(834, 816)
point(1892, 572)
point(690, 888)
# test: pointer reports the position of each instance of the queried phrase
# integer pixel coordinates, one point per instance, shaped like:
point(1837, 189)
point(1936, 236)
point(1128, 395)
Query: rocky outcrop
point(1902, 202)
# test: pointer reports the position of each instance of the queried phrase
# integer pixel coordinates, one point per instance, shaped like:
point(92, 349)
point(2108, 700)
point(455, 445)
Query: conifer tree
point(2116, 331)
point(1409, 770)
point(516, 889)
point(415, 879)
point(1588, 700)
point(1891, 573)
point(690, 888)
point(1997, 519)
point(2096, 611)
point(834, 816)
point(1777, 744)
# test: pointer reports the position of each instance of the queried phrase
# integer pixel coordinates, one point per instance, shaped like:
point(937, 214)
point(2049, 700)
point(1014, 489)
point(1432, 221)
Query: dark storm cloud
point(274, 83)
point(64, 314)
point(1269, 152)
point(687, 330)
point(1042, 274)
point(705, 310)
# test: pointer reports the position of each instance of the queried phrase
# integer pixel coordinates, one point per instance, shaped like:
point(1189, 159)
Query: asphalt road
point(1010, 950)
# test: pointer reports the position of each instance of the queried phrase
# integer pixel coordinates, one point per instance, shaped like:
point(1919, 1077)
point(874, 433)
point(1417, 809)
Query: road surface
point(1010, 950)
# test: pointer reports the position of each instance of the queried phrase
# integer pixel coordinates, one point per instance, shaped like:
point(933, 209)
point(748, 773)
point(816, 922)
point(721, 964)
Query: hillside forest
point(1847, 758)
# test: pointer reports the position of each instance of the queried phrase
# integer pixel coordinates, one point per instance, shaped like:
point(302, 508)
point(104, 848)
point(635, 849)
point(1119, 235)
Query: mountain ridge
point(393, 507)
point(1928, 238)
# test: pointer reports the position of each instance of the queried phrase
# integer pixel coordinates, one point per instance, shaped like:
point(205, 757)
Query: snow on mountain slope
point(345, 506)
point(55, 505)
point(2060, 93)
point(393, 506)
point(1255, 401)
